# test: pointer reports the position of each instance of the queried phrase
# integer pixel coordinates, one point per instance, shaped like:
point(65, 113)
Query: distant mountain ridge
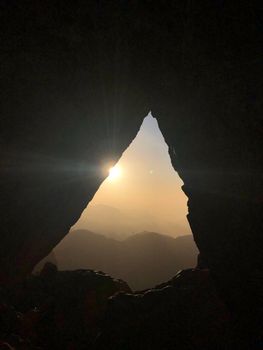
point(142, 260)
point(119, 224)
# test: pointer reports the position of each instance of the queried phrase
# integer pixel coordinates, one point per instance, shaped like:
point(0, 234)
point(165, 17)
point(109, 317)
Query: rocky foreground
point(84, 309)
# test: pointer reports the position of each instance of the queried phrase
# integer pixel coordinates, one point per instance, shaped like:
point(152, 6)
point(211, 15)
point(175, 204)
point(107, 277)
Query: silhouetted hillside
point(142, 260)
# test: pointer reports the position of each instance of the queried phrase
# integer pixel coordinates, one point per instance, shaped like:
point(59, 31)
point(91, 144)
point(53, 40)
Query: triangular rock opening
point(135, 228)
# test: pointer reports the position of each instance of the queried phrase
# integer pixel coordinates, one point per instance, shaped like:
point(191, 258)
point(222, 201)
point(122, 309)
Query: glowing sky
point(143, 194)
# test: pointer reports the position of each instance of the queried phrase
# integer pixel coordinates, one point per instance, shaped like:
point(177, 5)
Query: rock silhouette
point(84, 309)
point(57, 309)
point(77, 79)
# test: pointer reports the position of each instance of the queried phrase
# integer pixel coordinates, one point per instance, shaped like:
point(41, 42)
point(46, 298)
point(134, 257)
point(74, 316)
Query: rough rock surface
point(184, 313)
point(71, 310)
point(57, 309)
point(78, 77)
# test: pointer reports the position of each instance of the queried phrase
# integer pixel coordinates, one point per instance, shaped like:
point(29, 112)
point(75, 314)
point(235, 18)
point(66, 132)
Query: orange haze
point(145, 196)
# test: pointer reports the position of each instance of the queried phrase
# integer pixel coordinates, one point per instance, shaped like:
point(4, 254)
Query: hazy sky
point(144, 194)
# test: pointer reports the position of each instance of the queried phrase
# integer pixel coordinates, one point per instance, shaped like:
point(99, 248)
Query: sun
point(114, 172)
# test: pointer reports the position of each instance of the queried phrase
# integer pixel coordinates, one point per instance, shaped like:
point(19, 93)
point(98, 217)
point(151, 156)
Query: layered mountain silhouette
point(142, 260)
point(119, 223)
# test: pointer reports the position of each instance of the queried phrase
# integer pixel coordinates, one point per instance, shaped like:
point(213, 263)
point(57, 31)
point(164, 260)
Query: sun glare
point(114, 172)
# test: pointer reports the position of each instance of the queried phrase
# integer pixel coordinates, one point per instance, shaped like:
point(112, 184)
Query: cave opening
point(135, 228)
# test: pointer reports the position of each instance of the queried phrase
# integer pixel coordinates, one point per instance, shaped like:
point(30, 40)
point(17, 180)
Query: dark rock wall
point(71, 105)
point(78, 77)
point(210, 114)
